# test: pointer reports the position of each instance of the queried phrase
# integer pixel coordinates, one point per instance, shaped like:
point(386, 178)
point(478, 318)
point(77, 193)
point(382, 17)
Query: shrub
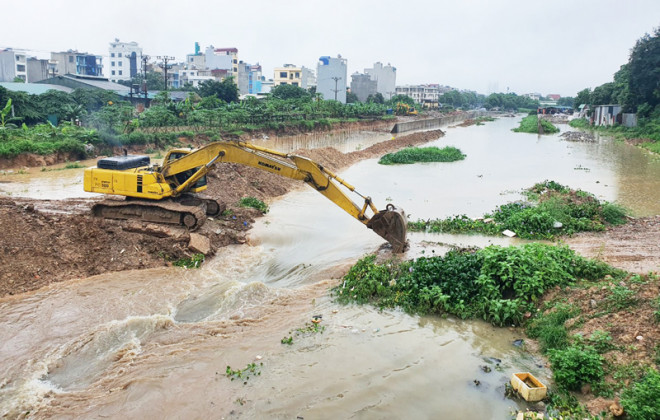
point(255, 203)
point(529, 124)
point(642, 400)
point(575, 366)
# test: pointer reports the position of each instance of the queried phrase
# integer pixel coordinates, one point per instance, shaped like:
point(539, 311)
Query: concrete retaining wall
point(432, 123)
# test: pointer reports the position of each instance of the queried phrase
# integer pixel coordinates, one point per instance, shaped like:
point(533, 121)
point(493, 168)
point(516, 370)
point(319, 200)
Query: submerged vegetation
point(530, 124)
point(553, 209)
point(497, 284)
point(422, 154)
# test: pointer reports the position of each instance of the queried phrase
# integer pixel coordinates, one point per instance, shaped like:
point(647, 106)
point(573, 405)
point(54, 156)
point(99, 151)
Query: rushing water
point(156, 343)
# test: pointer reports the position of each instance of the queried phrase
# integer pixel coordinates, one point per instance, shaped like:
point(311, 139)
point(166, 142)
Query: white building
point(332, 78)
point(222, 59)
point(125, 60)
point(385, 77)
point(13, 64)
point(427, 95)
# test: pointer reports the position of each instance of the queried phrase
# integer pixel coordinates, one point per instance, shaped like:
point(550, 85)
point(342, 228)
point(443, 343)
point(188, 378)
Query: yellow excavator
point(168, 192)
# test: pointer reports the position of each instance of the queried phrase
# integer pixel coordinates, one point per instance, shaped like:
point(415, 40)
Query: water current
point(157, 343)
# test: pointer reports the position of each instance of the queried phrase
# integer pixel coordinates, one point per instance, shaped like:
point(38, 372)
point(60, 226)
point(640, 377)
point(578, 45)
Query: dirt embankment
point(46, 241)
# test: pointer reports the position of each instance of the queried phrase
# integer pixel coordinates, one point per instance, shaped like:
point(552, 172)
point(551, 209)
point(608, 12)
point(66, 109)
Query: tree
point(376, 99)
point(155, 81)
point(225, 91)
point(402, 98)
point(289, 92)
point(644, 70)
point(351, 98)
point(566, 101)
point(583, 97)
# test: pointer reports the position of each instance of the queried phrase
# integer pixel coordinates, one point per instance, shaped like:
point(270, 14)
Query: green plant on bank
point(497, 284)
point(309, 329)
point(530, 124)
point(642, 399)
point(620, 298)
point(255, 203)
point(576, 365)
point(422, 154)
point(252, 369)
point(601, 341)
point(648, 128)
point(190, 262)
point(549, 327)
point(553, 210)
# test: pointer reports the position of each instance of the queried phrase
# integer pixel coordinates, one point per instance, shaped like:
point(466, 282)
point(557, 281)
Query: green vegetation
point(530, 124)
point(549, 328)
point(255, 203)
point(576, 365)
point(252, 369)
point(497, 284)
point(642, 400)
point(422, 154)
point(192, 262)
point(553, 210)
point(310, 328)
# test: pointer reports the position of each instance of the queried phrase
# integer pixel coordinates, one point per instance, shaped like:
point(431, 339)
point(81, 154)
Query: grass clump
point(530, 124)
point(550, 329)
point(497, 284)
point(422, 154)
point(642, 400)
point(553, 209)
point(255, 203)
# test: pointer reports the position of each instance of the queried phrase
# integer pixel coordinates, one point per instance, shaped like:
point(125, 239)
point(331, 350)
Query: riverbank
point(48, 241)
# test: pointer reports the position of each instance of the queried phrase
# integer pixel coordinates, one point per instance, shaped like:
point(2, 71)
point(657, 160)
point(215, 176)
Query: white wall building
point(13, 64)
point(124, 61)
point(332, 78)
point(385, 77)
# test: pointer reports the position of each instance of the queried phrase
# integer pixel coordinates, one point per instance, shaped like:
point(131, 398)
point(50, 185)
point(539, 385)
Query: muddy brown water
point(156, 343)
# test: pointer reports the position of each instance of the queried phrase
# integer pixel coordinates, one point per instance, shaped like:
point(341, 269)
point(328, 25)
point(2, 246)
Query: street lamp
point(336, 79)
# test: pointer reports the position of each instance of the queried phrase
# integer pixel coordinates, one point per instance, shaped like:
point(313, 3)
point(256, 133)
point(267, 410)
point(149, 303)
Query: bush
point(497, 284)
point(549, 328)
point(642, 400)
point(422, 154)
point(255, 203)
point(576, 366)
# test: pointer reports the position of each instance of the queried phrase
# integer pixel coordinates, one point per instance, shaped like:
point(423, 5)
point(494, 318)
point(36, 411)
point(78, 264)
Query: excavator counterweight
point(166, 193)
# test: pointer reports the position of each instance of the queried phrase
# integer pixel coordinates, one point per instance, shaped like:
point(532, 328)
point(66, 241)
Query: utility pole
point(145, 58)
point(390, 93)
point(336, 79)
point(165, 59)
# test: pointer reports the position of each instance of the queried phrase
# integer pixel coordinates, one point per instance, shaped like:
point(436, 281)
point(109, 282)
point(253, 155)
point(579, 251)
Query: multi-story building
point(125, 60)
point(196, 60)
point(38, 69)
point(362, 85)
point(193, 77)
point(332, 75)
point(13, 64)
point(426, 95)
point(385, 77)
point(77, 63)
point(289, 74)
point(255, 79)
point(222, 59)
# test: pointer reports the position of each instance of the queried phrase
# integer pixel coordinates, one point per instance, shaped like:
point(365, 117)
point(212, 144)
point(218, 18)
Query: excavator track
point(165, 211)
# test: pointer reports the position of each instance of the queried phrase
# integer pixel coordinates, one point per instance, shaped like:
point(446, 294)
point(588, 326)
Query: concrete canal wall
point(431, 123)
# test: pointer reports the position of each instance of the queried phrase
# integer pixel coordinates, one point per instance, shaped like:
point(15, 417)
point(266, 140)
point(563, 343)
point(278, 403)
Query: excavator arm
point(389, 223)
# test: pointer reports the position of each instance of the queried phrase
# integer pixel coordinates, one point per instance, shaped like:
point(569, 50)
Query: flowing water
point(156, 343)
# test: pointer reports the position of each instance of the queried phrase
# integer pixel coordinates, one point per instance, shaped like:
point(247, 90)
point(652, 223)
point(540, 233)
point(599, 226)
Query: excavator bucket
point(391, 225)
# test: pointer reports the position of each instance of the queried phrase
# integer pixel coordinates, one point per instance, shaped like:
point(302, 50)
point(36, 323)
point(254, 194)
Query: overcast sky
point(559, 46)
